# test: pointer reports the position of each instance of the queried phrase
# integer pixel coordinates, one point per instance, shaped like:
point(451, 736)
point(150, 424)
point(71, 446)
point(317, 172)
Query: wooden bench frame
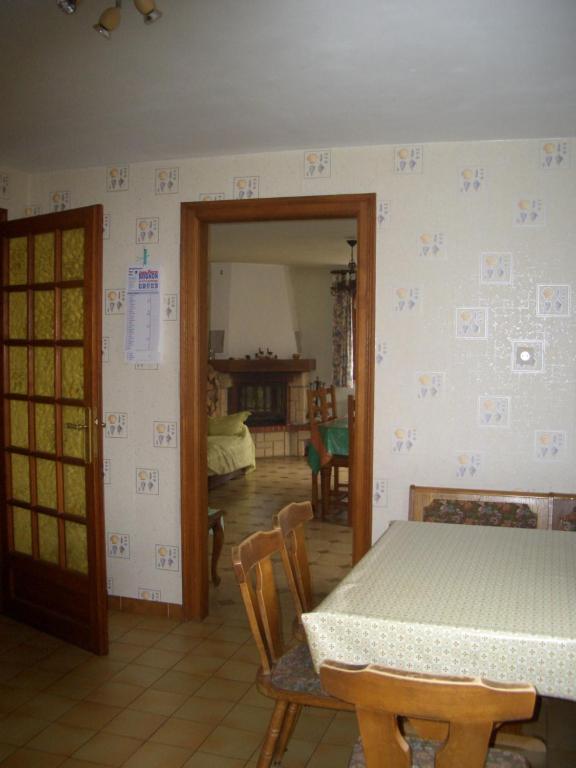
point(546, 505)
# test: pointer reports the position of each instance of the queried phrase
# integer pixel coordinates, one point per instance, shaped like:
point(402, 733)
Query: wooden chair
point(286, 674)
point(215, 525)
point(292, 520)
point(322, 407)
point(469, 705)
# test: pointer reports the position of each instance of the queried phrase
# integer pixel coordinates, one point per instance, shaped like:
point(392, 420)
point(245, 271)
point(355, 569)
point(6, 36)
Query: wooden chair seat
point(294, 672)
point(424, 755)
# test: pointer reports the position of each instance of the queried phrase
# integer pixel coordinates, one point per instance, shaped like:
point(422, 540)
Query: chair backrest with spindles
point(292, 520)
point(253, 567)
point(470, 705)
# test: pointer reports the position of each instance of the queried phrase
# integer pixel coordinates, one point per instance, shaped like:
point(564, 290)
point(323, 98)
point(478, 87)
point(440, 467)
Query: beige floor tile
point(231, 742)
point(179, 643)
point(5, 750)
point(46, 706)
point(61, 739)
point(204, 760)
point(238, 670)
point(100, 668)
point(35, 679)
point(158, 756)
point(30, 758)
point(143, 637)
point(108, 749)
point(158, 624)
point(19, 730)
point(201, 710)
point(156, 657)
point(136, 674)
point(89, 714)
point(246, 718)
point(215, 648)
point(182, 733)
point(330, 756)
point(225, 690)
point(159, 702)
point(138, 725)
point(231, 634)
point(199, 665)
point(115, 694)
point(64, 659)
point(178, 682)
point(71, 762)
point(310, 728)
point(11, 699)
point(125, 652)
point(257, 699)
point(343, 730)
point(72, 686)
point(195, 629)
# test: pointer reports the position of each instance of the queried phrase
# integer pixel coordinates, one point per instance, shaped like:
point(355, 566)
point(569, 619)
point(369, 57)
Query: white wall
point(314, 311)
point(255, 305)
point(443, 431)
point(13, 191)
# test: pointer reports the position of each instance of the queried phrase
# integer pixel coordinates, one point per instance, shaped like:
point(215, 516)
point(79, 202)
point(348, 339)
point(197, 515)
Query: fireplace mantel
point(263, 365)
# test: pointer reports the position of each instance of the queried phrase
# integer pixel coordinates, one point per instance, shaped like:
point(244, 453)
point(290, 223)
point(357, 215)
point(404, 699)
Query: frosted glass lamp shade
point(108, 21)
point(148, 9)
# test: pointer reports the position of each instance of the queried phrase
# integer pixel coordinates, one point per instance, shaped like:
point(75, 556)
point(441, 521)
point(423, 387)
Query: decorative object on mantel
point(261, 355)
point(111, 17)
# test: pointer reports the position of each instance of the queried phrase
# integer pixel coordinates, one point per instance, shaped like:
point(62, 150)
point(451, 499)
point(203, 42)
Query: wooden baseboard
point(145, 607)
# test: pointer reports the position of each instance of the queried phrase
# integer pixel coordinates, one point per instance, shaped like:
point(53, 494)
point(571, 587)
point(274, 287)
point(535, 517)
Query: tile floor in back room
point(174, 694)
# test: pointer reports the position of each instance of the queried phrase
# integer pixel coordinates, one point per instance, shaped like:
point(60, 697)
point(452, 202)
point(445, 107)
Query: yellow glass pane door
point(49, 397)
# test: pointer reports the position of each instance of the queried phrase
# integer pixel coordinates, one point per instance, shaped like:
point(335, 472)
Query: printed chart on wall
point(142, 340)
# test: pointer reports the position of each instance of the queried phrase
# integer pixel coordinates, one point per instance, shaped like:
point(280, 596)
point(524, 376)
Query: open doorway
point(196, 220)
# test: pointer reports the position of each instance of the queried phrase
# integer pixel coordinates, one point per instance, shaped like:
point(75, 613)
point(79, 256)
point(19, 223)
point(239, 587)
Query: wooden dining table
point(458, 600)
point(327, 438)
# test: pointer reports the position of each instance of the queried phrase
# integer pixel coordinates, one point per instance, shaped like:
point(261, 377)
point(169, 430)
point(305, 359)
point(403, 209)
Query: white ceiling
point(233, 76)
point(312, 243)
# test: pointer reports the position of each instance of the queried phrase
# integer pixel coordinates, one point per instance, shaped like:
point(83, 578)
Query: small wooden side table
point(215, 525)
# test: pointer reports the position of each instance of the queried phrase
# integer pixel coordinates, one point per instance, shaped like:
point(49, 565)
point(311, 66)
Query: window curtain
point(343, 334)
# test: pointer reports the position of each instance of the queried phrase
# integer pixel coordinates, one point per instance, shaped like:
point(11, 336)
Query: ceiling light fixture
point(111, 17)
point(148, 9)
point(109, 20)
point(67, 6)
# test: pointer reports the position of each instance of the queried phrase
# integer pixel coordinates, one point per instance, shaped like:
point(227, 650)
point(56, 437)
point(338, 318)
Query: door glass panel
point(73, 254)
point(20, 477)
point(43, 314)
point(76, 552)
point(17, 316)
point(48, 538)
point(45, 428)
point(74, 439)
point(19, 423)
point(72, 313)
point(18, 362)
point(74, 490)
point(22, 527)
point(44, 258)
point(46, 483)
point(73, 373)
point(44, 371)
point(18, 255)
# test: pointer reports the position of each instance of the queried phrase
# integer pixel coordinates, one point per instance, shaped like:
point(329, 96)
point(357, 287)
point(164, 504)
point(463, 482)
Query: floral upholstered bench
point(507, 509)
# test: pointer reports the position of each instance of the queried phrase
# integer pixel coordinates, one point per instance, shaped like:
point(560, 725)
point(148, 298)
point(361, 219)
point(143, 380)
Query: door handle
point(88, 449)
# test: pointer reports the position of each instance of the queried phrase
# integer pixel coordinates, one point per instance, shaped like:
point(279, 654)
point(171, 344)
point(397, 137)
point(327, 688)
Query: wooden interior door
point(53, 552)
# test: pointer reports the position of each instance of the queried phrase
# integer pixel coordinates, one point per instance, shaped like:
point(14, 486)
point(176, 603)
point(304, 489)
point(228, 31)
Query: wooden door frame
point(195, 221)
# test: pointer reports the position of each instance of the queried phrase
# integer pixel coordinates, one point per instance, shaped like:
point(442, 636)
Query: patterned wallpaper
point(475, 350)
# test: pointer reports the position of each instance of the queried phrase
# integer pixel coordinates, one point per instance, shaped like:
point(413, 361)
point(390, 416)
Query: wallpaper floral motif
point(476, 342)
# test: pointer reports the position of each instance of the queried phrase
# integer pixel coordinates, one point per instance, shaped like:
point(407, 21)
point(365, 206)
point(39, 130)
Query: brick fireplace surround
point(261, 381)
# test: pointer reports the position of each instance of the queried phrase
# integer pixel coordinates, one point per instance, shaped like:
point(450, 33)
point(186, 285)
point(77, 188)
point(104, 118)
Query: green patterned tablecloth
point(334, 437)
point(458, 600)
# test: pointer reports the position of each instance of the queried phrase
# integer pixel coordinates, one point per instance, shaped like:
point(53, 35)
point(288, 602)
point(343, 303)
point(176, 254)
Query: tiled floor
point(169, 694)
point(172, 695)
